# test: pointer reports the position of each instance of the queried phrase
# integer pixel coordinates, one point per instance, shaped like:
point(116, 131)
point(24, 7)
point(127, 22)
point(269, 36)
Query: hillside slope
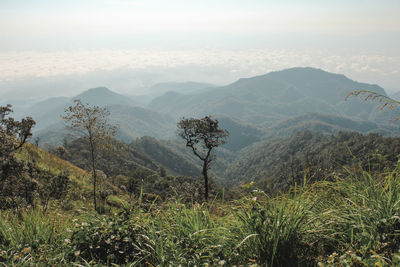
point(144, 154)
point(79, 186)
point(278, 163)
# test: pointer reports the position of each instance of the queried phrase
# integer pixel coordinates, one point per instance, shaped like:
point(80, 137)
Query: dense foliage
point(279, 163)
point(110, 240)
point(17, 183)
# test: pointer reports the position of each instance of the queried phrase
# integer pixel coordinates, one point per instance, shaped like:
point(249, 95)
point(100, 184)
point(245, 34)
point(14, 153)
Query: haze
point(69, 46)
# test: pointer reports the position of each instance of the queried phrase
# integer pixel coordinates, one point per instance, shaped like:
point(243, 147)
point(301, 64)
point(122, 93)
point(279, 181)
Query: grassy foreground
point(352, 222)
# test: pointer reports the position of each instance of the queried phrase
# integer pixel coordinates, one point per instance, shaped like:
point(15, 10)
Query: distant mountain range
point(273, 97)
point(252, 109)
point(102, 96)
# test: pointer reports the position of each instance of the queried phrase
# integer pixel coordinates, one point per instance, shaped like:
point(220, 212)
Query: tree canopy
point(202, 135)
point(92, 123)
point(17, 186)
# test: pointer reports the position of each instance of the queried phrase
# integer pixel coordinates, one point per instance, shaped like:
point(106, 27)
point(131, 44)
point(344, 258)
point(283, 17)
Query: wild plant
point(273, 229)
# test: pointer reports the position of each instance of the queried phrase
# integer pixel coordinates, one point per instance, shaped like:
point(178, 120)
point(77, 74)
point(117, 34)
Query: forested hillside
point(327, 123)
point(277, 164)
point(145, 153)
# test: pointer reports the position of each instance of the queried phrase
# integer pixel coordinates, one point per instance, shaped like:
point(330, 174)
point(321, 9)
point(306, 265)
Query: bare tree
point(92, 123)
point(202, 135)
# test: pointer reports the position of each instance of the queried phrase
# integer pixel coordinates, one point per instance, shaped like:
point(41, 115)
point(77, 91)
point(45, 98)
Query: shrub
point(110, 240)
point(52, 186)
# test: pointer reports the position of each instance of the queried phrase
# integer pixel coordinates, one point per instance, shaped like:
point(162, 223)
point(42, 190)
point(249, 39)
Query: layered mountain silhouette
point(251, 109)
point(275, 96)
point(133, 121)
point(48, 112)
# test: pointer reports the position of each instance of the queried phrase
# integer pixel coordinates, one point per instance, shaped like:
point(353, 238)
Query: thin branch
point(366, 95)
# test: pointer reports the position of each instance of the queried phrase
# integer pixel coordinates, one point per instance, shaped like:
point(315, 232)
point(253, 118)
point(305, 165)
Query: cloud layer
point(372, 68)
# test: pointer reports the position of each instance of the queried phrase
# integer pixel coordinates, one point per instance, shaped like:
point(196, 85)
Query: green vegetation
point(277, 164)
point(17, 181)
point(326, 123)
point(352, 221)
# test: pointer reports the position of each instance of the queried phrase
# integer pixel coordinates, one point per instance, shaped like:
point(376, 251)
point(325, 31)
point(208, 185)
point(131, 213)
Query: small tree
point(52, 187)
point(16, 180)
point(92, 123)
point(14, 134)
point(202, 135)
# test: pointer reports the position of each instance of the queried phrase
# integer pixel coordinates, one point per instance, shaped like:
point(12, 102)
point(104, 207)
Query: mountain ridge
point(247, 108)
point(260, 98)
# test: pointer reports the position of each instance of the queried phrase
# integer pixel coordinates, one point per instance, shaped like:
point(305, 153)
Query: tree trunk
point(93, 172)
point(205, 175)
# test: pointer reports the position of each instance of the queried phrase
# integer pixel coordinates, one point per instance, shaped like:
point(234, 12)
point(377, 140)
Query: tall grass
point(31, 236)
point(353, 221)
point(273, 228)
point(359, 215)
point(189, 235)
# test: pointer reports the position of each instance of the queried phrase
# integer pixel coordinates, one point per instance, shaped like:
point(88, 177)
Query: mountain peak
point(102, 96)
point(95, 91)
point(298, 73)
point(302, 73)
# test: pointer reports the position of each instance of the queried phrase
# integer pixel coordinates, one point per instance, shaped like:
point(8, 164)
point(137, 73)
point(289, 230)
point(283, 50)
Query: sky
point(46, 38)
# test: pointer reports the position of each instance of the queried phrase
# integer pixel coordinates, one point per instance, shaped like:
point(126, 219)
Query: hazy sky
point(359, 38)
point(77, 24)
